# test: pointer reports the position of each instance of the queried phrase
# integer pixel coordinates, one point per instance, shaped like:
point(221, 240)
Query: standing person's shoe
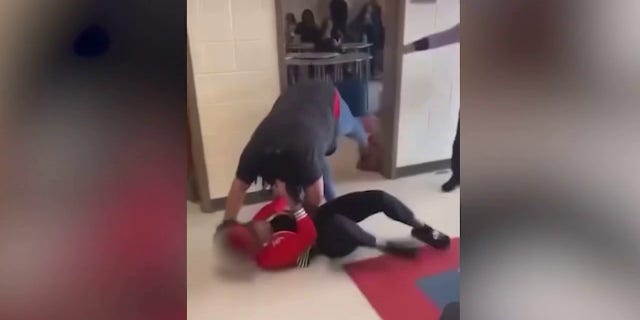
point(370, 161)
point(450, 185)
point(431, 237)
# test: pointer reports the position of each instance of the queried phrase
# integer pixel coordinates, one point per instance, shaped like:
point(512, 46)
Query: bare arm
point(235, 199)
point(436, 40)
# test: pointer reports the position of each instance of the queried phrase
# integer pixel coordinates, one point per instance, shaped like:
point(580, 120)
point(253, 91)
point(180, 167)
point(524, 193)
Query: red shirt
point(336, 104)
point(286, 248)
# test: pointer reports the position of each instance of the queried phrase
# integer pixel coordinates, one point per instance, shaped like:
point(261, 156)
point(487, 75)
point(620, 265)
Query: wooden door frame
point(282, 50)
point(196, 157)
point(391, 85)
point(392, 55)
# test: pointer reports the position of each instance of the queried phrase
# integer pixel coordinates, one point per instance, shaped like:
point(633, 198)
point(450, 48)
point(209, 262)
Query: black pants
point(455, 156)
point(451, 311)
point(337, 220)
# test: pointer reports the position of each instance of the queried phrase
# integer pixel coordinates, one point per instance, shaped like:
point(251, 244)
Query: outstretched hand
point(409, 48)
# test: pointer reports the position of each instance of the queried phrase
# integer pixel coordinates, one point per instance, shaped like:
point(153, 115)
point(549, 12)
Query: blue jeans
point(351, 127)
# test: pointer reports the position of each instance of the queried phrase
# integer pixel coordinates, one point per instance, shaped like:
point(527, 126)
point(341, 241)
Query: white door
point(430, 89)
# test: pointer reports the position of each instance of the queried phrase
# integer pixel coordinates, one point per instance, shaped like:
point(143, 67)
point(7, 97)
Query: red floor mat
point(393, 285)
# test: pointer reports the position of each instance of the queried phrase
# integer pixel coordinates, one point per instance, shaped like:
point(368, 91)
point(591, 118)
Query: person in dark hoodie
point(339, 12)
point(292, 142)
point(368, 27)
point(329, 40)
point(307, 29)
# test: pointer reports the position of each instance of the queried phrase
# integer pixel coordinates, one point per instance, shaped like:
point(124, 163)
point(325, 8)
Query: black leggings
point(337, 220)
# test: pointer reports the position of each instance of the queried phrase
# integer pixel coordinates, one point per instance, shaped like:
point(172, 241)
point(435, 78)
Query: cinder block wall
point(234, 51)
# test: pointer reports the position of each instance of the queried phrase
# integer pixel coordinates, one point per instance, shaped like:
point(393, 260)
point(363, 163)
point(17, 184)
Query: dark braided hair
point(295, 193)
point(273, 167)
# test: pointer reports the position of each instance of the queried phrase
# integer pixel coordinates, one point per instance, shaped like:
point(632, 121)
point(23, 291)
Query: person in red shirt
point(278, 237)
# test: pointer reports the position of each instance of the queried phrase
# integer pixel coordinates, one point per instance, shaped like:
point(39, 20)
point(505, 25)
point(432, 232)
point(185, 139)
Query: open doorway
point(363, 62)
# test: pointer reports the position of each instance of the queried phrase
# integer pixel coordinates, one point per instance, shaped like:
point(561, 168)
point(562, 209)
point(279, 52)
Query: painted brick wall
point(234, 52)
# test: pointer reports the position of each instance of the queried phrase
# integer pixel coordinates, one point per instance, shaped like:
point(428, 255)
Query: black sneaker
point(431, 237)
point(450, 185)
point(400, 249)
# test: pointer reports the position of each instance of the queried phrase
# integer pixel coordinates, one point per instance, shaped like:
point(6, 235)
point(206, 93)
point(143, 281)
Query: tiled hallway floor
point(323, 291)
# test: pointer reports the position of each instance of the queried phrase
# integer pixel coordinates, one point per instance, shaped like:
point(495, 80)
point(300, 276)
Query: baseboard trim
point(420, 168)
point(251, 198)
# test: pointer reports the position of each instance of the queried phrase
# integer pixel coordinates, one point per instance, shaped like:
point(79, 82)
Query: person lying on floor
point(283, 235)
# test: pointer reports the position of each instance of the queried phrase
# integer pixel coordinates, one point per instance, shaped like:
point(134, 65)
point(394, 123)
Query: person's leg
point(339, 233)
point(358, 206)
point(455, 159)
point(454, 181)
point(347, 233)
point(352, 127)
point(398, 211)
point(329, 189)
point(331, 242)
point(356, 233)
point(451, 311)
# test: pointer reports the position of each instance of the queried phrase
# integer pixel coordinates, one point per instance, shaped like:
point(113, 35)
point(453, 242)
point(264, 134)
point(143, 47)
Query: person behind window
point(367, 27)
point(329, 40)
point(289, 27)
point(307, 29)
point(339, 12)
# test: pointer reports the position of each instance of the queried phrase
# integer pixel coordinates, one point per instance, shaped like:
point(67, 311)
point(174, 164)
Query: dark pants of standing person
point(454, 181)
point(455, 157)
point(451, 311)
point(337, 221)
